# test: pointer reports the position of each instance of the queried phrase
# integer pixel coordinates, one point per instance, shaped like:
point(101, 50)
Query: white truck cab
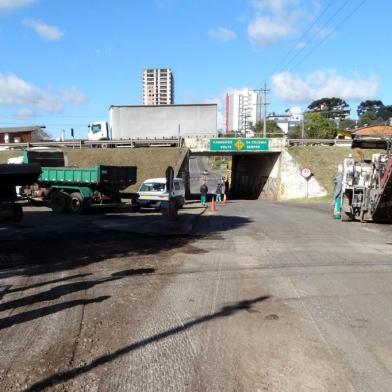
point(98, 130)
point(153, 192)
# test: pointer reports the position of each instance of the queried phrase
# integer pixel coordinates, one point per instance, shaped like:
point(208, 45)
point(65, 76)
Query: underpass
point(254, 170)
point(260, 169)
point(252, 175)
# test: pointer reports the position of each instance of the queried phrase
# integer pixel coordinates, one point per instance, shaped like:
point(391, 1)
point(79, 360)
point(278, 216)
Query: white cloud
point(265, 30)
point(15, 91)
point(276, 6)
point(45, 31)
point(13, 4)
point(323, 33)
point(24, 114)
point(277, 19)
point(222, 34)
point(73, 96)
point(321, 83)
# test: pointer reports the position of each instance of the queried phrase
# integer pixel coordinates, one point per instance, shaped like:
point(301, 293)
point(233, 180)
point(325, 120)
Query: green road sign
point(249, 144)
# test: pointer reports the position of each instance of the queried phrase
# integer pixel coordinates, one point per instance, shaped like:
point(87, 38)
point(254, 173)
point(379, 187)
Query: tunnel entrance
point(250, 175)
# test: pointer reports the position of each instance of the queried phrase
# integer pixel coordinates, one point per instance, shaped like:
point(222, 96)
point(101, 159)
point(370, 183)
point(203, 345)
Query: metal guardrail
point(131, 143)
point(330, 142)
point(149, 142)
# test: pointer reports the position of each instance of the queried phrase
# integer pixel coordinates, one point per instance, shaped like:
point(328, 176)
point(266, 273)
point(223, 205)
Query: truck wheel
point(76, 203)
point(58, 202)
point(18, 213)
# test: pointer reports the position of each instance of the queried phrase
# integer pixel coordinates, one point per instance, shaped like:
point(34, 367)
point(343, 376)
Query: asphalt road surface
point(259, 297)
point(197, 165)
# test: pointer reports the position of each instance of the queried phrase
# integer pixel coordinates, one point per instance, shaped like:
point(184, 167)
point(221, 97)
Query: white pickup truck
point(153, 192)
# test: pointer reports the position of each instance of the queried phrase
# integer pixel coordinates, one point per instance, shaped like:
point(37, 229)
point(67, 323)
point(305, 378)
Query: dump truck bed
point(101, 175)
point(14, 174)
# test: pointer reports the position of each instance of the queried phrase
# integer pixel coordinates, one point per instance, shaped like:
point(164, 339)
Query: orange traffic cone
point(224, 199)
point(213, 204)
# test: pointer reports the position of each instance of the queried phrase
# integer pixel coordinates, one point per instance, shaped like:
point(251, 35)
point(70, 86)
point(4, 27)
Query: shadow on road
point(30, 315)
point(83, 243)
point(40, 284)
point(65, 289)
point(225, 311)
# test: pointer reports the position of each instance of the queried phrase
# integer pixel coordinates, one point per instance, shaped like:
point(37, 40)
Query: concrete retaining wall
point(272, 176)
point(292, 185)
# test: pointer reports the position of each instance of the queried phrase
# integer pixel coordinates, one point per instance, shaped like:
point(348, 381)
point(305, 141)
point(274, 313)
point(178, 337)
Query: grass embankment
point(323, 160)
point(150, 162)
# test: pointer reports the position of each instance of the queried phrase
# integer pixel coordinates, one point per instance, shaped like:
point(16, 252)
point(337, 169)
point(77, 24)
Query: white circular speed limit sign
point(306, 173)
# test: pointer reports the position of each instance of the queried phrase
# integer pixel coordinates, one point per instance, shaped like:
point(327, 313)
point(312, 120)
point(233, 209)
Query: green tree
point(317, 126)
point(385, 113)
point(369, 106)
point(347, 123)
point(369, 118)
point(273, 130)
point(295, 132)
point(330, 107)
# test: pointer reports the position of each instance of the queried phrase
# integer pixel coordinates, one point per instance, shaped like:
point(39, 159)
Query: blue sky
point(64, 62)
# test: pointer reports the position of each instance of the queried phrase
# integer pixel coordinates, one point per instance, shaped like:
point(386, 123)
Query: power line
point(320, 29)
point(288, 53)
point(21, 123)
point(49, 115)
point(348, 16)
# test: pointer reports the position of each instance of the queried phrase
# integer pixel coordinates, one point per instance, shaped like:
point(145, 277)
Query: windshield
point(153, 187)
point(96, 128)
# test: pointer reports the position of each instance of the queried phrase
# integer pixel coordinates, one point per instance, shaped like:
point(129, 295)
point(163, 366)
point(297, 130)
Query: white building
point(158, 86)
point(242, 110)
point(292, 117)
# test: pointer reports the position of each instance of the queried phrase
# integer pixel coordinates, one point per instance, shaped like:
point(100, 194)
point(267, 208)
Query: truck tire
point(58, 202)
point(76, 203)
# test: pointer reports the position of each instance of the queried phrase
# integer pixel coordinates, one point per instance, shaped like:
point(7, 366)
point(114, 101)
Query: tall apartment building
point(158, 86)
point(242, 110)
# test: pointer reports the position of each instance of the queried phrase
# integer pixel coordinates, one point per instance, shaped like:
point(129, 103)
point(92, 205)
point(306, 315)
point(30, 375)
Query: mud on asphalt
point(68, 292)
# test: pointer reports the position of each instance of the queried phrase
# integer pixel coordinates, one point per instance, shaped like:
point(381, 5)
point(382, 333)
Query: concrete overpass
point(261, 168)
point(269, 173)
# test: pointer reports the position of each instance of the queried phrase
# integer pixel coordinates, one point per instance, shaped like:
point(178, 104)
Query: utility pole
point(265, 104)
point(258, 104)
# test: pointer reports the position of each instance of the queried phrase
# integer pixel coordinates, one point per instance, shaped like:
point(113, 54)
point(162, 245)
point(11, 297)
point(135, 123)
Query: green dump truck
point(76, 189)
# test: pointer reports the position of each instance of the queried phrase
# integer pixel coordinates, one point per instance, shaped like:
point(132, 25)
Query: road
point(259, 297)
point(196, 167)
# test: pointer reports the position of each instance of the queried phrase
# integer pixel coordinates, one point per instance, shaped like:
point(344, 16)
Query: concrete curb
point(153, 225)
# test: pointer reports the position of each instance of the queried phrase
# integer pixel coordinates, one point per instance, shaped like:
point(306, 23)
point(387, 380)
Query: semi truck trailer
point(155, 121)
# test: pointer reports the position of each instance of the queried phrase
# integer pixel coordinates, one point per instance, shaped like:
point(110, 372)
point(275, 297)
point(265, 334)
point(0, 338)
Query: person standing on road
point(218, 193)
point(203, 193)
point(226, 182)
